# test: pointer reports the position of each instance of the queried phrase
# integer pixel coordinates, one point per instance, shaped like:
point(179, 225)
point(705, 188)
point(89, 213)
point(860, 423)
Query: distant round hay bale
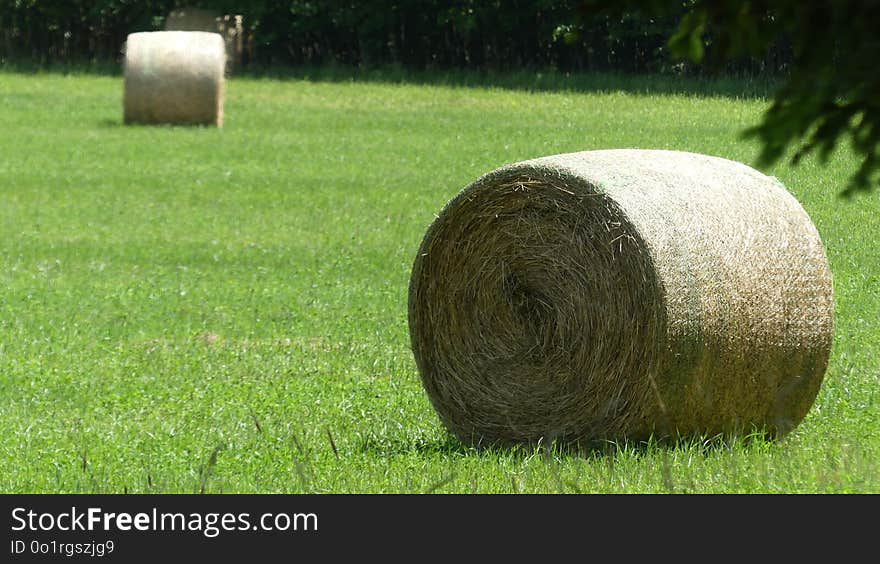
point(621, 295)
point(174, 77)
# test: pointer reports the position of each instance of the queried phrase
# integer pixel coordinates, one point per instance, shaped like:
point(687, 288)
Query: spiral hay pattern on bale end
point(174, 77)
point(621, 294)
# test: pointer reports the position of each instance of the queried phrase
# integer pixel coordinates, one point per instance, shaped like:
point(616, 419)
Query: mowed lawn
point(187, 309)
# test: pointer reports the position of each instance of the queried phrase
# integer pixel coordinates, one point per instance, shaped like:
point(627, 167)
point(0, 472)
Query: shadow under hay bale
point(175, 77)
point(620, 295)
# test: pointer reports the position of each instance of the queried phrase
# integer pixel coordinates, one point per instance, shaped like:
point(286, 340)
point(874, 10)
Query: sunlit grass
point(166, 292)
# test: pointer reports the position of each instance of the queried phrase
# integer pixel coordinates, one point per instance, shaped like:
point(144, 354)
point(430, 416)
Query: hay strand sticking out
point(621, 294)
point(174, 77)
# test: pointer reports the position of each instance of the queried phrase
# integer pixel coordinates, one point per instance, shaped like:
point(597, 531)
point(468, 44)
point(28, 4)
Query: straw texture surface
point(174, 77)
point(621, 294)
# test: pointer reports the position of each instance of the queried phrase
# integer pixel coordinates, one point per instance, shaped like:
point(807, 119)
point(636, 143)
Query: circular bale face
point(609, 295)
point(174, 77)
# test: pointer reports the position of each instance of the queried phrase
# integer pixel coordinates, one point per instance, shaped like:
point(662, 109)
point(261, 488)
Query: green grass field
point(202, 310)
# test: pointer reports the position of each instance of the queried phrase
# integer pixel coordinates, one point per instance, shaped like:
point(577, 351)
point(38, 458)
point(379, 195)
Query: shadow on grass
point(388, 447)
point(553, 455)
point(450, 445)
point(94, 68)
point(533, 80)
point(526, 79)
point(110, 123)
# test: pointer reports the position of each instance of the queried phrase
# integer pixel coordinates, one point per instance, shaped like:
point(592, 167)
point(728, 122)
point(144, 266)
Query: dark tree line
point(477, 34)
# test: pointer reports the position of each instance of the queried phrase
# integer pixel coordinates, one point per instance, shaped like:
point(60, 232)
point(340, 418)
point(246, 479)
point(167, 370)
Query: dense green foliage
point(169, 293)
point(831, 93)
point(438, 33)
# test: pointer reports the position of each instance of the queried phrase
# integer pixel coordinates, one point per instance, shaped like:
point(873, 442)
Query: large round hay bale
point(621, 295)
point(174, 77)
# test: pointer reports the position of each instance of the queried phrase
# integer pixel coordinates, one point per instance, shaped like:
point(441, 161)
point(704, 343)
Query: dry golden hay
point(621, 295)
point(174, 77)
